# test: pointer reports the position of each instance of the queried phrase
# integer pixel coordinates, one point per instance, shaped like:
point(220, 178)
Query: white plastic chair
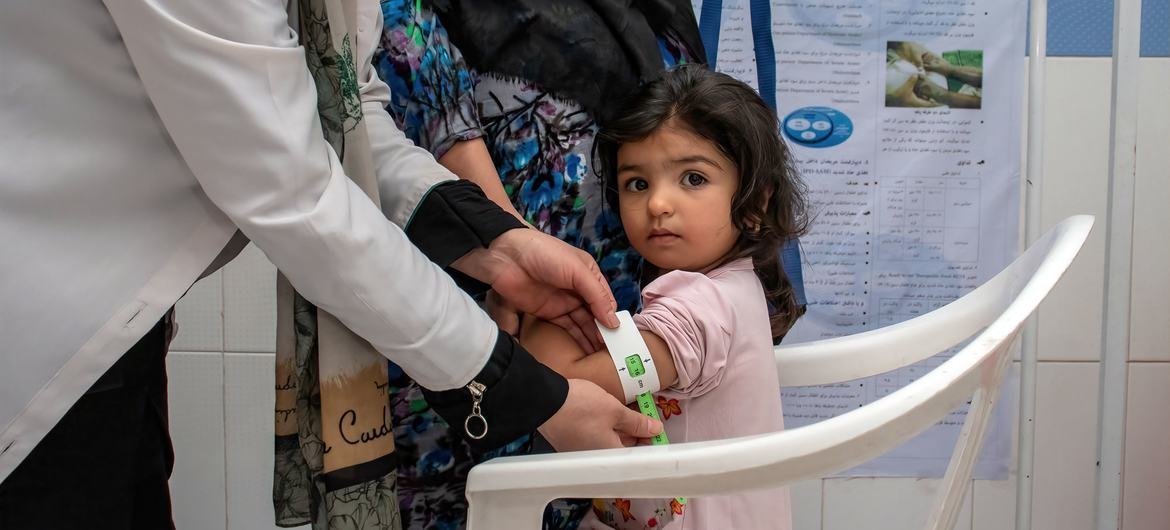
point(510, 493)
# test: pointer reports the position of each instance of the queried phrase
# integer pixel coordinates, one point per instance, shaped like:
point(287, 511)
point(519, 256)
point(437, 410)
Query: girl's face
point(674, 195)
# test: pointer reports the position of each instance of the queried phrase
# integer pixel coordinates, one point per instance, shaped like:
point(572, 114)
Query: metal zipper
point(477, 389)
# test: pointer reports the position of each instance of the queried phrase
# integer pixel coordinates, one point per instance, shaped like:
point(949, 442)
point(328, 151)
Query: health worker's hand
point(543, 276)
point(506, 316)
point(593, 419)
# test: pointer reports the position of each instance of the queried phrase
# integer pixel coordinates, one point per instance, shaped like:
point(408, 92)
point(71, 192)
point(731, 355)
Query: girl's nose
point(659, 203)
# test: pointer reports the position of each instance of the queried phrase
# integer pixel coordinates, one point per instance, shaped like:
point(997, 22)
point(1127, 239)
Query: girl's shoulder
point(688, 295)
point(681, 284)
point(734, 270)
point(739, 280)
point(716, 287)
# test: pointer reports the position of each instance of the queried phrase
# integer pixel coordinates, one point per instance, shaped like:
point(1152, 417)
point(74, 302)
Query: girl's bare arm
point(470, 160)
point(554, 347)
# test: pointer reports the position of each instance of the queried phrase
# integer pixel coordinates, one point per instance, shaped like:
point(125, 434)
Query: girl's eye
point(636, 185)
point(694, 179)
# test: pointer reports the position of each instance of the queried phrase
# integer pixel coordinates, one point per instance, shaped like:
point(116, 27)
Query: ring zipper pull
point(477, 389)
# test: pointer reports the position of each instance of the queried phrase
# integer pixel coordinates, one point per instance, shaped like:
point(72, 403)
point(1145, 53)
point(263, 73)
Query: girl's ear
point(753, 223)
point(766, 199)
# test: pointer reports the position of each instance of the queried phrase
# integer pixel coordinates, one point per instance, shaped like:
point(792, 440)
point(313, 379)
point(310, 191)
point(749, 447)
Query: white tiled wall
point(854, 503)
point(993, 504)
point(1147, 448)
point(196, 396)
point(807, 503)
point(199, 315)
point(221, 400)
point(1075, 181)
point(1151, 252)
point(248, 399)
point(1066, 446)
point(1077, 119)
point(249, 303)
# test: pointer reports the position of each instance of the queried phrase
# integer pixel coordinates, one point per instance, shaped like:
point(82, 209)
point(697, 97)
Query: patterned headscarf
point(335, 462)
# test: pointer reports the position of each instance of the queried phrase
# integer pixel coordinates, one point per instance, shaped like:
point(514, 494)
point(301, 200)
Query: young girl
point(707, 193)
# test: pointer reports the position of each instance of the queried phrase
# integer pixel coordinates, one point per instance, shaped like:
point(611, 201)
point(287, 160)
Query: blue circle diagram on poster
point(817, 126)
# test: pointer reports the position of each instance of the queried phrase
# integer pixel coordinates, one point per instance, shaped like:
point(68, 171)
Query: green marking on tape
point(634, 365)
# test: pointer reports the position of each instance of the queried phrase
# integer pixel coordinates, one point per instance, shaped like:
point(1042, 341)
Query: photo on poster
point(919, 77)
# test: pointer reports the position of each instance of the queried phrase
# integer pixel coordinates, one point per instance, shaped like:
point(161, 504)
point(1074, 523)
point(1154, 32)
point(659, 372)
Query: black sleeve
point(455, 218)
point(521, 394)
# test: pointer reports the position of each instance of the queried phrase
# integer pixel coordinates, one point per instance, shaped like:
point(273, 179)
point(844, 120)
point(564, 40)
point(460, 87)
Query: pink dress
point(716, 326)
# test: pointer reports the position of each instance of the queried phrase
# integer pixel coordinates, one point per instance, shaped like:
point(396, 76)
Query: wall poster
point(905, 119)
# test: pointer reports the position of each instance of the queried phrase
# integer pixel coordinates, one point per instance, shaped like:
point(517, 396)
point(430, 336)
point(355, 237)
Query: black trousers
point(105, 465)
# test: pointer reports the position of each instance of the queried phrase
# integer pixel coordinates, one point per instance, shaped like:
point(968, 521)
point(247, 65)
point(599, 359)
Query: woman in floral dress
point(531, 100)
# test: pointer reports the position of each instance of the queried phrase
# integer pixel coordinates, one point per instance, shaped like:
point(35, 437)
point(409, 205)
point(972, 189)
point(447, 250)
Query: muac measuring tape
point(635, 369)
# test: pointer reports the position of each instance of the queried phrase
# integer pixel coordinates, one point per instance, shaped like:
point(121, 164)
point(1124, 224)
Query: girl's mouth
point(663, 237)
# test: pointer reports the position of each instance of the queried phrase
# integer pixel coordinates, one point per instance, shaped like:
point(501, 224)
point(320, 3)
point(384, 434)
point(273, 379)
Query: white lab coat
point(136, 137)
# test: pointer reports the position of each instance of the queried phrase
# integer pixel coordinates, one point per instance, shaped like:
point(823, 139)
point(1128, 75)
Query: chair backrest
point(511, 492)
point(891, 347)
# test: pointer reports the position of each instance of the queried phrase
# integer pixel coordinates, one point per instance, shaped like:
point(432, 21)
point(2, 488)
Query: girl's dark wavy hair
point(769, 204)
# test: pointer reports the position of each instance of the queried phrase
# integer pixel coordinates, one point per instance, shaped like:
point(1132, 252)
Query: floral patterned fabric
point(634, 514)
point(431, 87)
point(542, 147)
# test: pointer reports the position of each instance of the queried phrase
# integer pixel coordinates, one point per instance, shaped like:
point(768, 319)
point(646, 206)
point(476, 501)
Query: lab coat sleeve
point(405, 172)
point(416, 193)
point(231, 85)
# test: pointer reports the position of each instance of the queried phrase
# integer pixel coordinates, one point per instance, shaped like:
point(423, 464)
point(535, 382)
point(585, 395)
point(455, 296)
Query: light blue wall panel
point(1084, 28)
